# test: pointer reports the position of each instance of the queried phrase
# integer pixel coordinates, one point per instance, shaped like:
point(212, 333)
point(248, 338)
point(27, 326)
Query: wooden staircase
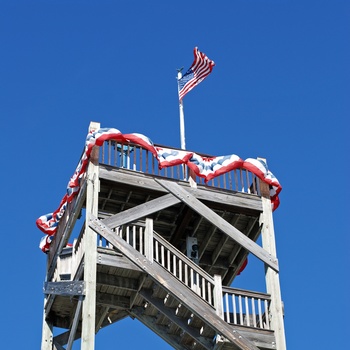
point(175, 311)
point(183, 308)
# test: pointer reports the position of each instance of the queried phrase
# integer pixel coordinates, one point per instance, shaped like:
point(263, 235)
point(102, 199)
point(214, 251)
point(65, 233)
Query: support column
point(271, 276)
point(149, 239)
point(90, 250)
point(47, 336)
point(218, 304)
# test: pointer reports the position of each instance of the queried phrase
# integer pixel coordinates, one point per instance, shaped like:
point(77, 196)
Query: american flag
point(200, 69)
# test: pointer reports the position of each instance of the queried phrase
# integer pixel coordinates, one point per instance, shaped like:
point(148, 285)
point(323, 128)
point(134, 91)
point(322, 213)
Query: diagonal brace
point(219, 222)
point(141, 210)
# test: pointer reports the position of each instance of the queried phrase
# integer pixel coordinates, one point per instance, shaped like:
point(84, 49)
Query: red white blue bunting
point(205, 167)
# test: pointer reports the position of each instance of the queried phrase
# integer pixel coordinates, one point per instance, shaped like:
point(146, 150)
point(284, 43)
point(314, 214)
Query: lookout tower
point(159, 234)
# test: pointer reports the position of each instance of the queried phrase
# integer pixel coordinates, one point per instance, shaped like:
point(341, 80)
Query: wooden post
point(90, 250)
point(149, 239)
point(47, 336)
point(218, 296)
point(271, 276)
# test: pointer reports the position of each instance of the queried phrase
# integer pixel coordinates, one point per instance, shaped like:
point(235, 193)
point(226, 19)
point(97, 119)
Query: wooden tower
point(163, 247)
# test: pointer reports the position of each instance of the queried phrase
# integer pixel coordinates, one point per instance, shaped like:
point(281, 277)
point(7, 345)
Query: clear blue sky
point(280, 90)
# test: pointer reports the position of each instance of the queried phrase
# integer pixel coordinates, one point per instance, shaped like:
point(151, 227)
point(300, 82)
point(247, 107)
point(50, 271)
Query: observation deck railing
point(136, 158)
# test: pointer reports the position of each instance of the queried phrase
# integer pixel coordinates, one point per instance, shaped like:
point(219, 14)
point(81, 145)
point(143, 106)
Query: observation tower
point(159, 234)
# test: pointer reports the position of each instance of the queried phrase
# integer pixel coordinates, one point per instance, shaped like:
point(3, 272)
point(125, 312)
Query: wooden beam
point(111, 300)
point(170, 314)
point(186, 197)
point(65, 288)
point(57, 346)
point(90, 251)
point(75, 324)
point(141, 211)
point(117, 281)
point(101, 317)
point(106, 257)
point(211, 194)
point(47, 331)
point(272, 277)
point(162, 331)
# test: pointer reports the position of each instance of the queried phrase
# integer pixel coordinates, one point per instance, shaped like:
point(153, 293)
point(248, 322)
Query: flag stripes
point(199, 70)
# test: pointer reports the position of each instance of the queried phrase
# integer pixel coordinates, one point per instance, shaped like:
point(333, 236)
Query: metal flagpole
point(182, 117)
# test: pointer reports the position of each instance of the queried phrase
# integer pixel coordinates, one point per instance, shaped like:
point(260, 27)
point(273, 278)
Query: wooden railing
point(246, 308)
point(166, 255)
point(237, 306)
point(134, 157)
point(65, 228)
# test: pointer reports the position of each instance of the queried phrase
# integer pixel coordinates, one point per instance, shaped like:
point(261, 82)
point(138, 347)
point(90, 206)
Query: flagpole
point(182, 116)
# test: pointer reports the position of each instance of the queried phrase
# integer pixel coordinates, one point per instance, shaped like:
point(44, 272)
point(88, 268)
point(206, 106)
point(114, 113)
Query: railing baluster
point(254, 184)
point(247, 179)
point(247, 310)
point(241, 177)
point(109, 152)
point(253, 312)
point(174, 265)
point(224, 181)
point(168, 260)
point(203, 288)
point(180, 269)
point(153, 165)
point(227, 308)
point(267, 314)
point(139, 238)
point(162, 255)
point(156, 258)
point(260, 314)
point(240, 310)
point(236, 180)
point(127, 235)
point(234, 309)
point(134, 237)
point(210, 294)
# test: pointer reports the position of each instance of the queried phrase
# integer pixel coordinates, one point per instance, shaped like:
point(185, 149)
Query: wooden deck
point(143, 272)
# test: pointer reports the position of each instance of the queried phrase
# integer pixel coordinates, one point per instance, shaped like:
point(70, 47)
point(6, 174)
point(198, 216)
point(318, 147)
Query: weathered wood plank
point(141, 211)
point(114, 301)
point(75, 323)
point(117, 281)
point(188, 298)
point(90, 251)
point(170, 314)
point(158, 329)
point(272, 277)
point(65, 288)
point(261, 338)
point(115, 260)
point(132, 178)
point(221, 223)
